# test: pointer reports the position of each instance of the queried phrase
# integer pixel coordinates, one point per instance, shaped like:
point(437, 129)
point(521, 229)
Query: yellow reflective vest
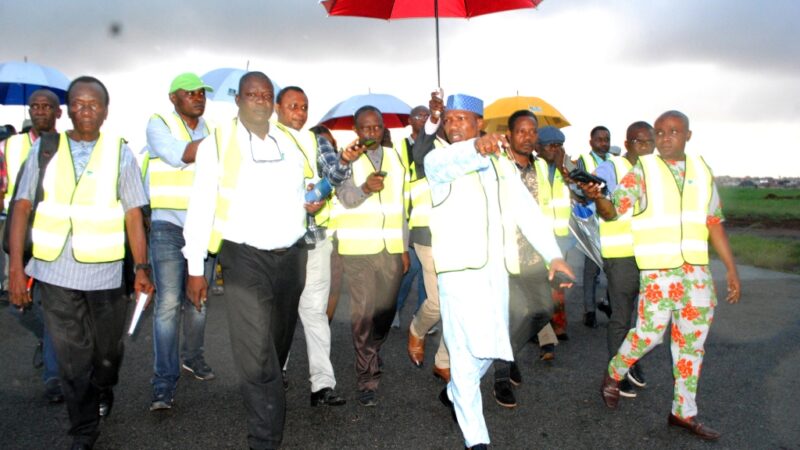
point(16, 151)
point(672, 228)
point(460, 223)
point(553, 199)
point(310, 150)
point(88, 208)
point(420, 195)
point(616, 240)
point(377, 223)
point(170, 186)
point(229, 157)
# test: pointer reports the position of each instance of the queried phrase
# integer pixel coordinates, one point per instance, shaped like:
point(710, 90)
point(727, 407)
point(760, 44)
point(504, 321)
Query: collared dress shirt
point(266, 209)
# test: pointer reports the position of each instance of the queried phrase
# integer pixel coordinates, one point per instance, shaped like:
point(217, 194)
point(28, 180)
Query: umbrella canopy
point(495, 116)
point(395, 111)
point(407, 9)
point(18, 79)
point(225, 82)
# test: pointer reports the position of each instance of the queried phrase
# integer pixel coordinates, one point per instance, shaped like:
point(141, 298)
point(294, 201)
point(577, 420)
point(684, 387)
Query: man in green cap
point(172, 141)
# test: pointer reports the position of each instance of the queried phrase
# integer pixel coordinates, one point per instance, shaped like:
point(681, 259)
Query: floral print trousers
point(689, 330)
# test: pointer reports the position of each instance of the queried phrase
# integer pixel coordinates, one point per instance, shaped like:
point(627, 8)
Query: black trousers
point(530, 308)
point(87, 330)
point(262, 291)
point(623, 290)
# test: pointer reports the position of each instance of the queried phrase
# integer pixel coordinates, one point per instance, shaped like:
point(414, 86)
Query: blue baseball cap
point(465, 102)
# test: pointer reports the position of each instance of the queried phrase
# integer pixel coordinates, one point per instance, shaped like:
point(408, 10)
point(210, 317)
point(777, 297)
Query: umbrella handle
point(436, 19)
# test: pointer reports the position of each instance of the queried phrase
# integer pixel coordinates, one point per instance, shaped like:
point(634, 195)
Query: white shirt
point(266, 210)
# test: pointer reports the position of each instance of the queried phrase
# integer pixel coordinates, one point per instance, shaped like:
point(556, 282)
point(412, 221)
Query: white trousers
point(312, 308)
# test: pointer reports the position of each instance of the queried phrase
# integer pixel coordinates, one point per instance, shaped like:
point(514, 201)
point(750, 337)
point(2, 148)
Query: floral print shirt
point(686, 286)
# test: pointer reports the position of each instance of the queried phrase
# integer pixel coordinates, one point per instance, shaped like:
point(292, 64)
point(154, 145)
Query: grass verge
point(781, 254)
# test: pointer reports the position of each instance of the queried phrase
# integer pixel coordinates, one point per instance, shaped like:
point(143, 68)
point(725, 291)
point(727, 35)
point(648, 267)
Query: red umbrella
point(406, 9)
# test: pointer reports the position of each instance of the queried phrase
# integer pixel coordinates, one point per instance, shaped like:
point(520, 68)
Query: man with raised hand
point(478, 204)
point(172, 142)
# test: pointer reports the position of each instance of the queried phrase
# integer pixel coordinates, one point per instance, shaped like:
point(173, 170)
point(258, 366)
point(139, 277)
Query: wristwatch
point(144, 266)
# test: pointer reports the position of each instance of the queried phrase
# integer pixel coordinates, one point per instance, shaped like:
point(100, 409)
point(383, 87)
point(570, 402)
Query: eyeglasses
point(642, 141)
point(262, 153)
point(420, 116)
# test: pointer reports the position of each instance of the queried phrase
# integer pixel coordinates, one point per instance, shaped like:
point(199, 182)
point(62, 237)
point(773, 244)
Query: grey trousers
point(374, 281)
point(530, 308)
point(262, 291)
point(623, 290)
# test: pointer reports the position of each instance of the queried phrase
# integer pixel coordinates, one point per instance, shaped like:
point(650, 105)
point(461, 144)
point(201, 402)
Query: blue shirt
point(162, 144)
point(65, 271)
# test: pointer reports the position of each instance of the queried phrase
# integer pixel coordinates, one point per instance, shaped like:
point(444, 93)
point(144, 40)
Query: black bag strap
point(47, 148)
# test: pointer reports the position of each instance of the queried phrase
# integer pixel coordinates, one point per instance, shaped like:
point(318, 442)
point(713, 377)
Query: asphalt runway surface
point(748, 390)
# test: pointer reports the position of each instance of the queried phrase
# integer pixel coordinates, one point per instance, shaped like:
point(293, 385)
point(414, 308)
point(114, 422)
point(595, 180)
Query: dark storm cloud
point(89, 35)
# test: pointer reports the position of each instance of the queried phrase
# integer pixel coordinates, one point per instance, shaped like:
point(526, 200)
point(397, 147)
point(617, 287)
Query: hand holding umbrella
point(436, 105)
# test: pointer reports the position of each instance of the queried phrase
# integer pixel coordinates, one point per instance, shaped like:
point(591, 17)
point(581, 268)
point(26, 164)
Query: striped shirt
point(65, 271)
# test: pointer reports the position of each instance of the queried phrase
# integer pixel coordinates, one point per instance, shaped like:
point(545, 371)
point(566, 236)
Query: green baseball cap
point(188, 82)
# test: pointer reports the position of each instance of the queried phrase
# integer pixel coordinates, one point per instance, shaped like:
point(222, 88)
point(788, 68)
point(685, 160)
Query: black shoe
point(80, 446)
point(514, 375)
point(106, 398)
point(563, 337)
point(504, 394)
point(605, 308)
point(479, 447)
point(590, 320)
point(326, 396)
point(52, 391)
point(446, 402)
point(636, 376)
point(367, 398)
point(626, 389)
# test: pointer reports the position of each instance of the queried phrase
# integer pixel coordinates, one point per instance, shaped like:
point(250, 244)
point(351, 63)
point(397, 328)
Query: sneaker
point(504, 394)
point(105, 402)
point(626, 389)
point(434, 329)
point(199, 369)
point(547, 352)
point(53, 392)
point(162, 399)
point(367, 398)
point(636, 376)
point(514, 374)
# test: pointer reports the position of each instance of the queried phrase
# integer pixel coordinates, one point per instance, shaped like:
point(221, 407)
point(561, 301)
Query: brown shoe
point(442, 373)
point(610, 391)
point(416, 349)
point(695, 427)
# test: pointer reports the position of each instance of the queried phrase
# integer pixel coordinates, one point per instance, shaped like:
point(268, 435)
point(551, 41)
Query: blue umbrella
point(395, 111)
point(225, 82)
point(18, 79)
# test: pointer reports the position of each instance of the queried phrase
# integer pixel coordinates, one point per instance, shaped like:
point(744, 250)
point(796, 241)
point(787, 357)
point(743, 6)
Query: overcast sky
point(732, 65)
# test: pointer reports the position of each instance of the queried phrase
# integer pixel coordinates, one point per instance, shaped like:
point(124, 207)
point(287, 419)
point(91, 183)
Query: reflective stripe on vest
point(169, 186)
point(311, 172)
point(553, 199)
point(420, 195)
point(616, 240)
point(672, 228)
point(16, 151)
point(377, 223)
point(460, 223)
point(91, 210)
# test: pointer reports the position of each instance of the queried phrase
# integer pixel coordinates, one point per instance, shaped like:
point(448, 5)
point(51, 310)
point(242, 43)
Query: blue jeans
point(414, 271)
point(32, 319)
point(171, 303)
